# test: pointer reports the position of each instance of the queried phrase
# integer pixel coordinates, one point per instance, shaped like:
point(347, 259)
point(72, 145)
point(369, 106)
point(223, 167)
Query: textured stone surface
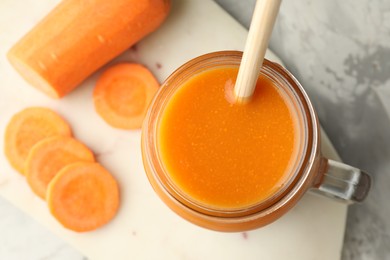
point(340, 52)
point(22, 238)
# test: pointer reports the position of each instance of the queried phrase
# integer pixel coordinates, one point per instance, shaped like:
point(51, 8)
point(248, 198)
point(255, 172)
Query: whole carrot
point(79, 36)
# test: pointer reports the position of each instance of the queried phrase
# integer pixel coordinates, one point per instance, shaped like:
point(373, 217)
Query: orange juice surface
point(227, 155)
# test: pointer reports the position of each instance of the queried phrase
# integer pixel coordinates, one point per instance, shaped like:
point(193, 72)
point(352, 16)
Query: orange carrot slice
point(28, 127)
point(49, 156)
point(123, 93)
point(83, 196)
point(78, 37)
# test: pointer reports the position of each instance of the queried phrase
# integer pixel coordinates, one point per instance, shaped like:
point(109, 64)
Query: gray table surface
point(340, 52)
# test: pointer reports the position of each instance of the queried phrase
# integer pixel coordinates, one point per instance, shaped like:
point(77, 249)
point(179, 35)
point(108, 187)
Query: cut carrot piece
point(78, 37)
point(83, 196)
point(49, 156)
point(123, 93)
point(28, 127)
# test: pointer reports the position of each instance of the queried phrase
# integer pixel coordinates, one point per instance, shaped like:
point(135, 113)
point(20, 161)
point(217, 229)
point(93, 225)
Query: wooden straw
point(263, 20)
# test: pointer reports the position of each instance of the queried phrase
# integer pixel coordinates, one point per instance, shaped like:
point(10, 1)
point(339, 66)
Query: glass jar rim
point(213, 60)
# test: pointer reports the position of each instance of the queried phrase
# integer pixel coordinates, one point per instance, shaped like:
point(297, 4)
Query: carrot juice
point(226, 155)
point(234, 167)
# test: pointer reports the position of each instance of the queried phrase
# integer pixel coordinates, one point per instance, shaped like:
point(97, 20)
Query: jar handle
point(343, 182)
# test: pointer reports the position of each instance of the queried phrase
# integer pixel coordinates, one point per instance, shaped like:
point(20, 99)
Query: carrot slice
point(123, 93)
point(28, 127)
point(49, 156)
point(83, 196)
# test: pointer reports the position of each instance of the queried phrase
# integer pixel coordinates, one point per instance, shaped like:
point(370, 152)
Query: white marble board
point(144, 227)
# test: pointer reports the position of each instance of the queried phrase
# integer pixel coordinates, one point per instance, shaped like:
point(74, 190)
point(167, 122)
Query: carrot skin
point(78, 37)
